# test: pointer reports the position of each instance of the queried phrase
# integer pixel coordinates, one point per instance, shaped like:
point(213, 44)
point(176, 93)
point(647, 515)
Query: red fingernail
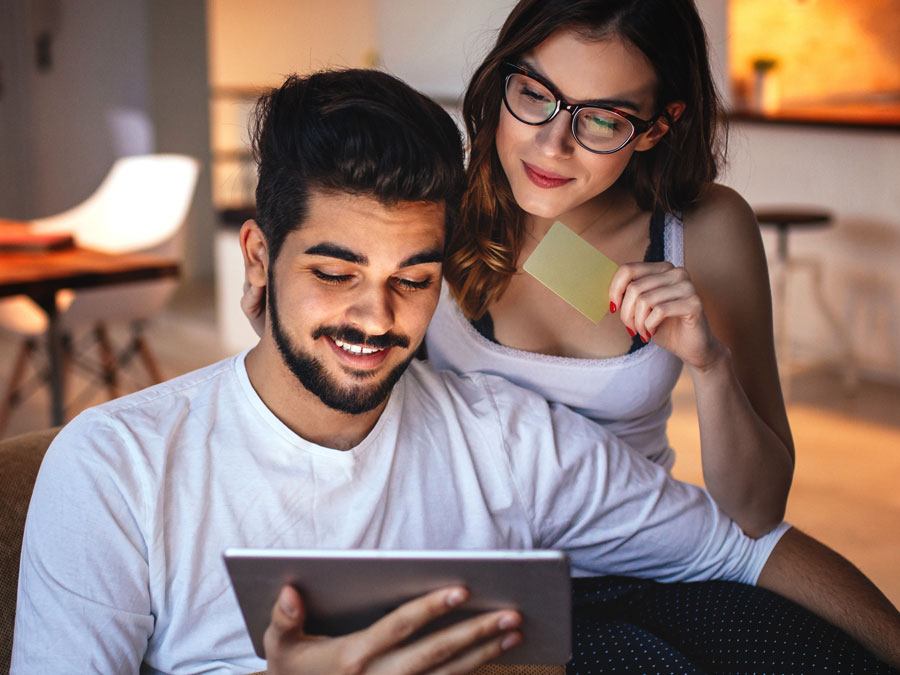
point(612, 307)
point(630, 332)
point(645, 340)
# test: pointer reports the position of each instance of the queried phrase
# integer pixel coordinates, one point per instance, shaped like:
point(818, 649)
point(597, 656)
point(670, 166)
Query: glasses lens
point(602, 130)
point(528, 99)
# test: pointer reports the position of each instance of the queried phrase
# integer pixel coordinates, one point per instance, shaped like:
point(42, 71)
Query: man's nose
point(372, 310)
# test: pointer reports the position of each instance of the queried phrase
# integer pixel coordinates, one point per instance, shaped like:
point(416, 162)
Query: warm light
point(824, 50)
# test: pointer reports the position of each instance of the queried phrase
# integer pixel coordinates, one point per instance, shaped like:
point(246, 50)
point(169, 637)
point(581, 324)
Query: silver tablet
point(345, 591)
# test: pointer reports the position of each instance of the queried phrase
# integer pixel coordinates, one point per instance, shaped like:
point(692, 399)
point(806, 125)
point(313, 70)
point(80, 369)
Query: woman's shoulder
point(720, 226)
point(717, 206)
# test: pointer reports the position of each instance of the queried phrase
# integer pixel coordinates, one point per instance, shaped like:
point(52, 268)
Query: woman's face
point(551, 175)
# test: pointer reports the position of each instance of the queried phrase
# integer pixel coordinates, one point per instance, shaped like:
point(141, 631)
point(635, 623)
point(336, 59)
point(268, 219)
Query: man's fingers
point(397, 626)
point(480, 654)
point(288, 617)
point(472, 641)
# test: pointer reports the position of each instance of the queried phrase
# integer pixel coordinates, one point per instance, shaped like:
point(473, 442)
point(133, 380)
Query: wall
point(124, 79)
point(824, 49)
point(99, 64)
point(855, 173)
point(179, 107)
point(435, 46)
point(250, 50)
point(16, 198)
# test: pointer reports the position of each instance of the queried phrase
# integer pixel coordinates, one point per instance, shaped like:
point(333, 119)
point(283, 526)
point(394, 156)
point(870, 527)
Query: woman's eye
point(602, 123)
point(410, 285)
point(534, 95)
point(332, 278)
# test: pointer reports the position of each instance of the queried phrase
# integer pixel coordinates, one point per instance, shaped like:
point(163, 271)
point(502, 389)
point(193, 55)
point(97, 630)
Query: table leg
point(54, 357)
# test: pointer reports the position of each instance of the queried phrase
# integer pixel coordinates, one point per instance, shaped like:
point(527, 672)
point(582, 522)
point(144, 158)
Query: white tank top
point(630, 395)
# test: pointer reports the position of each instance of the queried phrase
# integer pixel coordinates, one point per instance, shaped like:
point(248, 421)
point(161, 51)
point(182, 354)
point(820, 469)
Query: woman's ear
point(256, 254)
point(674, 110)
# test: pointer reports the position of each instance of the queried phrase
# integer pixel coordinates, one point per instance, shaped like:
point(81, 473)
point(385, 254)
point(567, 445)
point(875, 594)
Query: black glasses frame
point(638, 126)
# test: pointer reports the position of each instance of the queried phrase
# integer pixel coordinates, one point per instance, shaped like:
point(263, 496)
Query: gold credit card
point(573, 269)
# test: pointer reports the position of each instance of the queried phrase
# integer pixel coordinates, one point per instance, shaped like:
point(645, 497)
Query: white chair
point(139, 207)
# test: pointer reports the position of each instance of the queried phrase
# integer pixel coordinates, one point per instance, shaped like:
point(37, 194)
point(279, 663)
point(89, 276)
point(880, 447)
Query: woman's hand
point(658, 300)
point(382, 647)
point(253, 304)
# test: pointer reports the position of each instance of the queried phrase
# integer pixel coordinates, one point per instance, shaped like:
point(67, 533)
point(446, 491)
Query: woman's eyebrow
point(602, 102)
point(330, 250)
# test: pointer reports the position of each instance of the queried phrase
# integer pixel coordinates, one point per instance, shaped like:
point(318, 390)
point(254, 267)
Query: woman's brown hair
point(482, 252)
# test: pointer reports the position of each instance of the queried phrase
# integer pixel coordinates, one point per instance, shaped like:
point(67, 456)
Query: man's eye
point(332, 278)
point(410, 285)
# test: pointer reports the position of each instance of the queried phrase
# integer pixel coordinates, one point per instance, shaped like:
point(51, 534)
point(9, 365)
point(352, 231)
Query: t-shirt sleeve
point(614, 511)
point(83, 599)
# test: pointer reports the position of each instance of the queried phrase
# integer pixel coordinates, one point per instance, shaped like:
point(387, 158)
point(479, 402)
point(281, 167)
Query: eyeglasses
point(598, 129)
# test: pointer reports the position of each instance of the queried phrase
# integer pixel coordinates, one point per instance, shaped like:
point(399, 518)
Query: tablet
point(346, 591)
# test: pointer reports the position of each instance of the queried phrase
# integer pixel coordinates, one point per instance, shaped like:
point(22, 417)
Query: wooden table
point(42, 274)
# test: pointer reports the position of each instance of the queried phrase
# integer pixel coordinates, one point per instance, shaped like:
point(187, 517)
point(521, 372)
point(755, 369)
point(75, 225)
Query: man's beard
point(310, 372)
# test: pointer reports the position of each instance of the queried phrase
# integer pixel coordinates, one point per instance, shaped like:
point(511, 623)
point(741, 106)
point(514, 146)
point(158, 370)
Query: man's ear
point(646, 141)
point(256, 254)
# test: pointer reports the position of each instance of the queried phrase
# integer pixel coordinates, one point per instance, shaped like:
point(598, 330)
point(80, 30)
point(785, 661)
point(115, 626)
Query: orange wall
point(824, 48)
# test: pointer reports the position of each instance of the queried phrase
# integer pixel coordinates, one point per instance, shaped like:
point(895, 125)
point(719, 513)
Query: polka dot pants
point(624, 625)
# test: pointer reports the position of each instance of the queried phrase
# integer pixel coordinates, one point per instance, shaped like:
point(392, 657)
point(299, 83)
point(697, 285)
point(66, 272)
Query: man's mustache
point(357, 337)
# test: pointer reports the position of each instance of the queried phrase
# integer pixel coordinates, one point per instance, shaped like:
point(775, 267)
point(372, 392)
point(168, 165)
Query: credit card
point(573, 269)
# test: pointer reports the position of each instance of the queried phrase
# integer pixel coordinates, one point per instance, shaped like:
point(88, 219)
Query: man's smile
point(358, 356)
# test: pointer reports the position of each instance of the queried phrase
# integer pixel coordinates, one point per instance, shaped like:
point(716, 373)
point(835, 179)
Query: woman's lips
point(544, 179)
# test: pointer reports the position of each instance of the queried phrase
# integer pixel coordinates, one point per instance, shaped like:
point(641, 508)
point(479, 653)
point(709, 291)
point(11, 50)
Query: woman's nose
point(555, 137)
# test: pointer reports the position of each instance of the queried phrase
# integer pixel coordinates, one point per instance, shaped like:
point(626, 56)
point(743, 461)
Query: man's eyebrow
point(602, 102)
point(433, 256)
point(335, 251)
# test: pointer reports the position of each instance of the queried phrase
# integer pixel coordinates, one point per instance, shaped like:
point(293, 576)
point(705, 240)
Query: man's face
point(351, 294)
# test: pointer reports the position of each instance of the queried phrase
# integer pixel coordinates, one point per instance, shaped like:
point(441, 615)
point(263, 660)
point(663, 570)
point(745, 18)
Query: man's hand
point(381, 648)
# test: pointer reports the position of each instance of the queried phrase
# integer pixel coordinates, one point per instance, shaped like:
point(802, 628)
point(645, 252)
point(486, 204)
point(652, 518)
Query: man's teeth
point(355, 349)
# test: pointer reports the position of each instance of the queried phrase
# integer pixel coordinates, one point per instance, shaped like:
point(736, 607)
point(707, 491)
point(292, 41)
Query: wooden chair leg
point(146, 355)
point(11, 395)
point(108, 359)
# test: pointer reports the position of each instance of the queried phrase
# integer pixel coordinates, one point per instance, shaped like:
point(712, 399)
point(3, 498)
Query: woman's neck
point(599, 217)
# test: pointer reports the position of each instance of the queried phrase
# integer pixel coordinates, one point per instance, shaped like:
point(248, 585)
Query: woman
point(602, 114)
point(635, 182)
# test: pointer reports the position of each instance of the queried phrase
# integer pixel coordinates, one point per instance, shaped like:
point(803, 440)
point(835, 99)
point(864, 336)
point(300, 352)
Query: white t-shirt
point(137, 499)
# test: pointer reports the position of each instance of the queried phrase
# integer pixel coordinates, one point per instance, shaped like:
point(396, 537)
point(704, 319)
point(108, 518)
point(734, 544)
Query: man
point(326, 435)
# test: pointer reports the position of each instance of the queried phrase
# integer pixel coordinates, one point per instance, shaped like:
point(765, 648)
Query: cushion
point(20, 458)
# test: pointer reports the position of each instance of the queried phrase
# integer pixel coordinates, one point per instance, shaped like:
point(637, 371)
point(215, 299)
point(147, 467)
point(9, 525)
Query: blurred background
point(812, 90)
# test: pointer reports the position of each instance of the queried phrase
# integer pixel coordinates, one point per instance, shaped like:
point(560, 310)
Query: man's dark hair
point(359, 132)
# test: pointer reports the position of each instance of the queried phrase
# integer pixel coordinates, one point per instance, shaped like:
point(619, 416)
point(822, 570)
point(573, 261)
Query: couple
point(328, 434)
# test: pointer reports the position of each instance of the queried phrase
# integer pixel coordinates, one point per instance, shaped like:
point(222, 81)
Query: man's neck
point(301, 411)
